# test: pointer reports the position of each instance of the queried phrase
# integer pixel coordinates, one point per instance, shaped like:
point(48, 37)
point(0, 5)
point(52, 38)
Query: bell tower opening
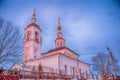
point(36, 37)
point(28, 35)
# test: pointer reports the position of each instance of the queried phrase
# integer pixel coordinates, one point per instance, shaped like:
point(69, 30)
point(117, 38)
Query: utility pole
point(111, 59)
point(102, 69)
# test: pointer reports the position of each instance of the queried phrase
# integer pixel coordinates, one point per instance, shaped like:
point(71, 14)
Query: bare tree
point(11, 44)
point(102, 64)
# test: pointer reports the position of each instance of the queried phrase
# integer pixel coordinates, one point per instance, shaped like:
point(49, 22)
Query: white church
point(61, 58)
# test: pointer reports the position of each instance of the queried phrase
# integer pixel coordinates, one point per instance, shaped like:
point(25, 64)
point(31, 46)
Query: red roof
point(60, 49)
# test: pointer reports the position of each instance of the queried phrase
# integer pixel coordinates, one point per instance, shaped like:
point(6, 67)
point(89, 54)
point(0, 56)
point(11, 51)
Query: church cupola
point(59, 42)
point(32, 40)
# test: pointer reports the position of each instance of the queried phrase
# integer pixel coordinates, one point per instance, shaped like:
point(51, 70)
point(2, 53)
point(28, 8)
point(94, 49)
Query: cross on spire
point(59, 20)
point(34, 14)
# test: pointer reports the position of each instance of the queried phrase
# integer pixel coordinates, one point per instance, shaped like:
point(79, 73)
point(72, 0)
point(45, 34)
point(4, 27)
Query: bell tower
point(32, 40)
point(59, 42)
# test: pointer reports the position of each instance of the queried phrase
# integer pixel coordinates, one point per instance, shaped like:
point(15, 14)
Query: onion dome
point(59, 28)
point(33, 25)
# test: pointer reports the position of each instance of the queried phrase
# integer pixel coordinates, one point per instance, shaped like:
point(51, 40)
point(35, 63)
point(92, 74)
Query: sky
point(88, 26)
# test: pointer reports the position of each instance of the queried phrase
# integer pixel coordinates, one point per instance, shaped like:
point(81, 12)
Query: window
point(58, 35)
point(73, 71)
point(28, 35)
point(35, 51)
point(80, 71)
point(60, 43)
point(86, 72)
point(36, 36)
point(34, 56)
point(57, 43)
point(65, 69)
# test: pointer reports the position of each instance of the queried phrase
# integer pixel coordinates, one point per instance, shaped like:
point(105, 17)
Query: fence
point(17, 75)
point(33, 75)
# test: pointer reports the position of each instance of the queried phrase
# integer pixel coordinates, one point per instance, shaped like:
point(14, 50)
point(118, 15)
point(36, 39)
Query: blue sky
point(88, 26)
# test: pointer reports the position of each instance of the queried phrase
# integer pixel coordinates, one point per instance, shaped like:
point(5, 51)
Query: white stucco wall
point(64, 60)
point(49, 61)
point(84, 67)
point(58, 62)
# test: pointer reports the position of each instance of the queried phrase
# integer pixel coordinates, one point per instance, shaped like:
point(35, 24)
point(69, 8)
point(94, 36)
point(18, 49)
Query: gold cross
point(59, 20)
point(34, 14)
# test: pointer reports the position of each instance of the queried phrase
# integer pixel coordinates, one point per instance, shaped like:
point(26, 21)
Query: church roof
point(55, 49)
point(20, 64)
point(33, 24)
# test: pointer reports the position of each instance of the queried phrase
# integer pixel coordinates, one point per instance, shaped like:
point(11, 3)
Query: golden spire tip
point(34, 14)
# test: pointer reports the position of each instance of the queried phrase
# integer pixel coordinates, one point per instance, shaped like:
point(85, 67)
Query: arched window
point(35, 51)
point(58, 35)
point(28, 35)
point(60, 43)
point(73, 71)
point(36, 35)
point(57, 43)
point(80, 71)
point(65, 69)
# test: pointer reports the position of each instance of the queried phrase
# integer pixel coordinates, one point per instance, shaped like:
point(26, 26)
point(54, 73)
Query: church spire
point(59, 27)
point(33, 16)
point(59, 42)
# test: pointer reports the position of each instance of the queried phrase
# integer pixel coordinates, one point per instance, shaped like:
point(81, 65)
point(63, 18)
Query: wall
point(49, 61)
point(64, 60)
